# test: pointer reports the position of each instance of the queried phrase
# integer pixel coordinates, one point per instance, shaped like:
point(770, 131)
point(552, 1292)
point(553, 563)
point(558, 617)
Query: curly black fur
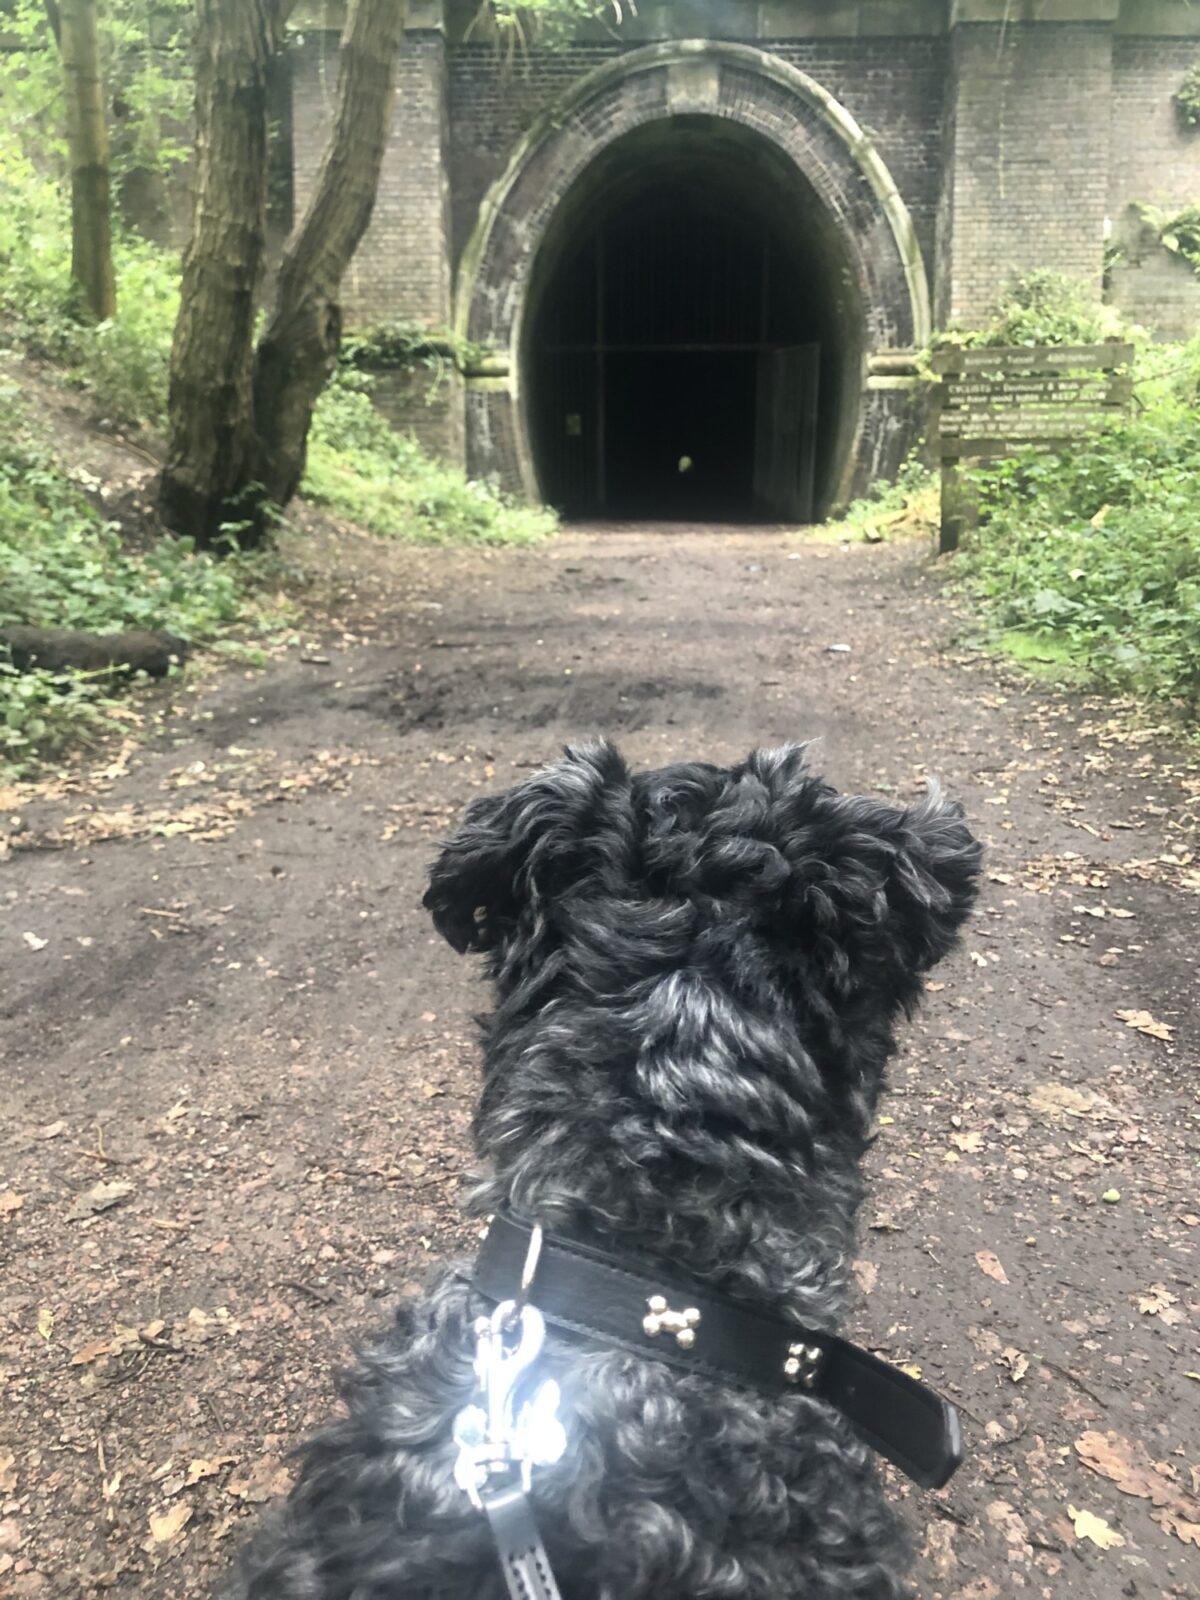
point(698, 973)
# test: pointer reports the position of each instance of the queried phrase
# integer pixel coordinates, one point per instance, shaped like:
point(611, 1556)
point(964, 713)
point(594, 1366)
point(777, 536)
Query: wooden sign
point(996, 402)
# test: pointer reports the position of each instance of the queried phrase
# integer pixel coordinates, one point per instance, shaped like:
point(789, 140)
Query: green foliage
point(1187, 98)
point(122, 363)
point(1096, 553)
point(63, 565)
point(552, 24)
point(409, 347)
point(907, 506)
point(1178, 231)
point(365, 471)
point(1046, 307)
point(146, 49)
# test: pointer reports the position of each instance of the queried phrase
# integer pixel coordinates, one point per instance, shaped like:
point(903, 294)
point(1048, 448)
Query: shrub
point(1099, 549)
point(1046, 307)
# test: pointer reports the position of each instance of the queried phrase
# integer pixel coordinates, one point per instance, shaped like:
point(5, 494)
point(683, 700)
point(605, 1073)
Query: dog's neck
point(690, 1128)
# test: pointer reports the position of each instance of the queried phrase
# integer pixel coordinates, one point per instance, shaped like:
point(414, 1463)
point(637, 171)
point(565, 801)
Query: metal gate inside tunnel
point(693, 339)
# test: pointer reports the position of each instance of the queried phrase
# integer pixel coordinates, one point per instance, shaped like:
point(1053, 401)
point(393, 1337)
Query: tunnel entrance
point(692, 345)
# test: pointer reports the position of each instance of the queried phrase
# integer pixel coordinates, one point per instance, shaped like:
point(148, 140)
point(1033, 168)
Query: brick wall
point(892, 87)
point(1029, 164)
point(401, 271)
point(1153, 160)
point(490, 109)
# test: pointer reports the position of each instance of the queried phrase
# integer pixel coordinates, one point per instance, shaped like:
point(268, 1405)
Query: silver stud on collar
point(803, 1364)
point(661, 1319)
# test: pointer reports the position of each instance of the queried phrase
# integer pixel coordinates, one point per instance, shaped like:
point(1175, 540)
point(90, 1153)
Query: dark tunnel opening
point(692, 341)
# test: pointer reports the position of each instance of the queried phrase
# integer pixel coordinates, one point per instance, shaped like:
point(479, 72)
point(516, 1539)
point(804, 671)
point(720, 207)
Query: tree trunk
point(208, 481)
point(87, 142)
point(299, 349)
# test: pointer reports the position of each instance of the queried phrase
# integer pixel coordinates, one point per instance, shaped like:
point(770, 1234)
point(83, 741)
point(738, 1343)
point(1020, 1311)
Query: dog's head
point(763, 866)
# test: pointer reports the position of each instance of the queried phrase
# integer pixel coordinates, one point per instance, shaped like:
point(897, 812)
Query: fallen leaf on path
point(200, 1468)
point(1111, 1196)
point(45, 1322)
point(262, 1481)
point(1182, 1527)
point(967, 1141)
point(100, 1197)
point(90, 1352)
point(166, 1526)
point(34, 943)
point(1017, 1364)
point(10, 1204)
point(1160, 1302)
point(1060, 1100)
point(989, 1263)
point(1143, 1022)
point(1128, 1465)
point(200, 1326)
point(1089, 1526)
point(52, 1130)
point(867, 1274)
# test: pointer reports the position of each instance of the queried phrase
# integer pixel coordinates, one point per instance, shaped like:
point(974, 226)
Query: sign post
point(996, 402)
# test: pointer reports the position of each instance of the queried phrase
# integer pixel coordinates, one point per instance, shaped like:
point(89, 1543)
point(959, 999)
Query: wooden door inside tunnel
point(691, 343)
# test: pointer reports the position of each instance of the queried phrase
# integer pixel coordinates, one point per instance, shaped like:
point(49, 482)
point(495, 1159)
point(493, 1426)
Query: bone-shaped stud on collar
point(661, 1319)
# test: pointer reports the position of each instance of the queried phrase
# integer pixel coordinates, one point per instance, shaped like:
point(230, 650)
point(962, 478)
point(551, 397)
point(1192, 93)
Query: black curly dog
point(698, 971)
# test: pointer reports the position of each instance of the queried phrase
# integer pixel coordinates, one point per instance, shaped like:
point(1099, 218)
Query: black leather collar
point(663, 1315)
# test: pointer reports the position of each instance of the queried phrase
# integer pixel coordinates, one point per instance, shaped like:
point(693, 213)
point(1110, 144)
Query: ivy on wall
point(1177, 231)
point(1187, 98)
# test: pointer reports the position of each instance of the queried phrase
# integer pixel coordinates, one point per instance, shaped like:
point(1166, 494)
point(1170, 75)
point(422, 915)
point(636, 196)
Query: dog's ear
point(515, 849)
point(906, 880)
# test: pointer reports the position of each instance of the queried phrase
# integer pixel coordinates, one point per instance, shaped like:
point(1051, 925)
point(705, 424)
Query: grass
point(365, 471)
point(908, 508)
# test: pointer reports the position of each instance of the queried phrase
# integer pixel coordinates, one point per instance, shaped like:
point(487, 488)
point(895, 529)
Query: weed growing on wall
point(1187, 98)
point(1045, 307)
point(1178, 231)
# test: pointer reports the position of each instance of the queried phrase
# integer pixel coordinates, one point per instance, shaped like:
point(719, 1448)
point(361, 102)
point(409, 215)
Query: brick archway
point(788, 122)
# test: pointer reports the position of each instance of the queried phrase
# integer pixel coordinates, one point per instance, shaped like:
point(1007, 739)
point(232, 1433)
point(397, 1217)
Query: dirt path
point(220, 996)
